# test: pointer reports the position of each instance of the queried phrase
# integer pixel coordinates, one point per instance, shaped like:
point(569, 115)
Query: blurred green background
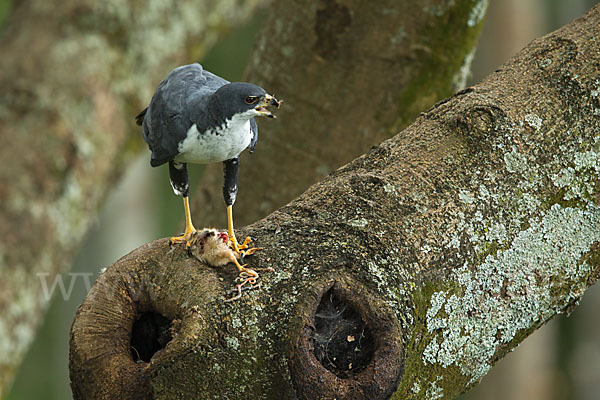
point(559, 361)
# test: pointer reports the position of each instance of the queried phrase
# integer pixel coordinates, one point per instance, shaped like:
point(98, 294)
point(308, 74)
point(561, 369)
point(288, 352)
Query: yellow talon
point(246, 242)
point(233, 243)
point(239, 247)
point(189, 228)
point(251, 251)
point(185, 238)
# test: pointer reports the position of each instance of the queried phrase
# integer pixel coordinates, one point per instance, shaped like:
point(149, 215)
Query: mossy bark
point(351, 74)
point(457, 238)
point(73, 75)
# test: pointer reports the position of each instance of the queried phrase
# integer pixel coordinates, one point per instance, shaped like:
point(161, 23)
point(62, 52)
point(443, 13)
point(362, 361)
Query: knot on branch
point(479, 121)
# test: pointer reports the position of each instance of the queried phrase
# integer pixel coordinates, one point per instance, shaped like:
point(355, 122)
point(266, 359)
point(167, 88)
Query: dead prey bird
point(210, 245)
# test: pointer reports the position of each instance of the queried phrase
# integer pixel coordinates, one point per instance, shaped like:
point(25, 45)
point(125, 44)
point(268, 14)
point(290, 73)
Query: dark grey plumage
point(190, 95)
point(196, 116)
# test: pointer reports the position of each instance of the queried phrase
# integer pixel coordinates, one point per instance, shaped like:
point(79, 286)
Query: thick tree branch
point(73, 76)
point(352, 74)
point(446, 245)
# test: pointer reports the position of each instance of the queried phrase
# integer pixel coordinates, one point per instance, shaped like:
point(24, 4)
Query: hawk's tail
point(140, 117)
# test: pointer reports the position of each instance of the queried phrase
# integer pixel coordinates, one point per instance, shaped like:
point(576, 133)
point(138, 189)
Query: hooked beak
point(266, 101)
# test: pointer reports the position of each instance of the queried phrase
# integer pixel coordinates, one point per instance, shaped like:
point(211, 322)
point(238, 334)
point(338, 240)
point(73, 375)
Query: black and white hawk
point(198, 117)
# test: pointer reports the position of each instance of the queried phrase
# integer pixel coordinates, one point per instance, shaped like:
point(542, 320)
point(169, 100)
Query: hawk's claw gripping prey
point(182, 239)
point(186, 237)
point(239, 247)
point(198, 117)
point(249, 252)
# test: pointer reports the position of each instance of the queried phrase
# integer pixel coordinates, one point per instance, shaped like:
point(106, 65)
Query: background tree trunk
point(351, 74)
point(73, 76)
point(445, 246)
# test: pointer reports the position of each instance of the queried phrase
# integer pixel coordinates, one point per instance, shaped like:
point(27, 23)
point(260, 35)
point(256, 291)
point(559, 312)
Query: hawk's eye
point(251, 99)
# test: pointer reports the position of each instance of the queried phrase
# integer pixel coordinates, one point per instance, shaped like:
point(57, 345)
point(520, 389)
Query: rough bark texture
point(73, 76)
point(458, 237)
point(352, 73)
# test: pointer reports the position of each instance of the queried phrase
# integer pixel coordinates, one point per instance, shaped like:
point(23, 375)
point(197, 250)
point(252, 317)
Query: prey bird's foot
point(247, 277)
point(247, 274)
point(246, 280)
point(239, 288)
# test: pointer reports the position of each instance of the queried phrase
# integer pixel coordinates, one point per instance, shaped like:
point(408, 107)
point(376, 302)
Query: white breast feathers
point(220, 144)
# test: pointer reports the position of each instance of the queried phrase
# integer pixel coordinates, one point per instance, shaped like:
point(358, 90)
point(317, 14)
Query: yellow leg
point(232, 240)
point(189, 227)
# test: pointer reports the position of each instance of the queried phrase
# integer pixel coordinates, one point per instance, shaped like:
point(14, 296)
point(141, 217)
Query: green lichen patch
point(422, 380)
point(536, 277)
point(579, 179)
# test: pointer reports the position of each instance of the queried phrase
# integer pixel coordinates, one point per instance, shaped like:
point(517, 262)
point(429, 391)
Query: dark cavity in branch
point(343, 342)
